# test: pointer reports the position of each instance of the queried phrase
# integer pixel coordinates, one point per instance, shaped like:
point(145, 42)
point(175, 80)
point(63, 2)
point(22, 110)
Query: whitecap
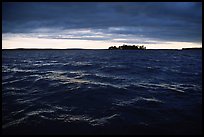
point(37, 112)
point(103, 120)
point(134, 100)
point(163, 85)
point(150, 99)
point(15, 122)
point(72, 118)
point(13, 81)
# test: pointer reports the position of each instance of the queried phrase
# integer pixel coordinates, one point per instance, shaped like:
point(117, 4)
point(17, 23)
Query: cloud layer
point(118, 21)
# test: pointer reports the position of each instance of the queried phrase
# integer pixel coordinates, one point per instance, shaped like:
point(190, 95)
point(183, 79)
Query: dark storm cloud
point(163, 21)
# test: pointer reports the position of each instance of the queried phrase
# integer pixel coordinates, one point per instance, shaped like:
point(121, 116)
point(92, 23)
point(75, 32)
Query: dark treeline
point(191, 48)
point(127, 47)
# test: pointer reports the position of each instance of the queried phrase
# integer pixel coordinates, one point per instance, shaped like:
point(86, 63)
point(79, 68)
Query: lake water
point(101, 92)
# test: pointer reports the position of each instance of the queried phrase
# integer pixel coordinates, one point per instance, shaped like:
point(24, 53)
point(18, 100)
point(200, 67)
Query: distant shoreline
point(98, 49)
point(191, 48)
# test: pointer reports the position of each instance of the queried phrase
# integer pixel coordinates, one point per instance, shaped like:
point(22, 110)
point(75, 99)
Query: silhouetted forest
point(128, 47)
point(191, 48)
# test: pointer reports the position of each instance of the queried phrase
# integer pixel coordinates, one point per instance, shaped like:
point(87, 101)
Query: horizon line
point(91, 49)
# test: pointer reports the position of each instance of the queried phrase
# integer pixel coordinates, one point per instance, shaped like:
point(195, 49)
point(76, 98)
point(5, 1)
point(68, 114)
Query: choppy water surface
point(101, 92)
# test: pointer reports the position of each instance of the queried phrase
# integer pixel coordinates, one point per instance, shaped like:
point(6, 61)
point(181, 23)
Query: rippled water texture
point(101, 92)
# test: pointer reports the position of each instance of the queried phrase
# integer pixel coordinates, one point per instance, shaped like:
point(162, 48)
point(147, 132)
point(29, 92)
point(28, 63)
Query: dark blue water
point(101, 92)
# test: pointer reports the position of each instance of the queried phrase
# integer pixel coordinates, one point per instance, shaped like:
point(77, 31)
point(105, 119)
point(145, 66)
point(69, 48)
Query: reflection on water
point(101, 91)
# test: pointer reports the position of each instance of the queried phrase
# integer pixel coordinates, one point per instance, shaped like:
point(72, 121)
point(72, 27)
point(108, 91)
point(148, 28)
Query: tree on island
point(127, 47)
point(112, 47)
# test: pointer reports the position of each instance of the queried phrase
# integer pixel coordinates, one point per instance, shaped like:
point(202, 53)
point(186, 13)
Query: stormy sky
point(100, 24)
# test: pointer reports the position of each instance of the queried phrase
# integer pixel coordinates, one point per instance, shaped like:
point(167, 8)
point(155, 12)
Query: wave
point(135, 100)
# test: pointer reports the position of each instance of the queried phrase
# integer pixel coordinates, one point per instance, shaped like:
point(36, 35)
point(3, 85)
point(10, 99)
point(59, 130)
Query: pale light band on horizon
point(13, 43)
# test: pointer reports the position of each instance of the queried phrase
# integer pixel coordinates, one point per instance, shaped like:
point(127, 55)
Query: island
point(127, 47)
